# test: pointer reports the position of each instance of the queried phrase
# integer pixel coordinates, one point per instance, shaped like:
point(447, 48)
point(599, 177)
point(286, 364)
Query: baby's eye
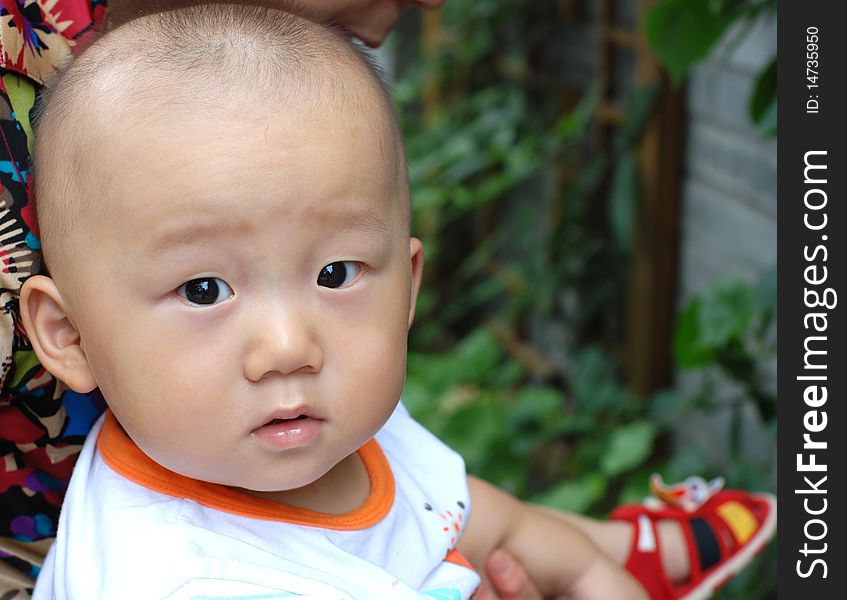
point(205, 290)
point(339, 274)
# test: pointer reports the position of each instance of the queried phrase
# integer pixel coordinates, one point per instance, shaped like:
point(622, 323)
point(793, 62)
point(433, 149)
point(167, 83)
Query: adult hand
point(508, 579)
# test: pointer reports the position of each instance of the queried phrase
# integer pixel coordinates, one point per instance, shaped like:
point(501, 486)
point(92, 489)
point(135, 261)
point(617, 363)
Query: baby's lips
point(299, 412)
point(289, 432)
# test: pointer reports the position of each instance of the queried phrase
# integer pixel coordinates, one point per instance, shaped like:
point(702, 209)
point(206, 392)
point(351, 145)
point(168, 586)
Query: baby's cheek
point(385, 350)
point(375, 369)
point(391, 379)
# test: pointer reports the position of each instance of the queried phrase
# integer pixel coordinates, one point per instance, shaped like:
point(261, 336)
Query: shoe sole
point(730, 568)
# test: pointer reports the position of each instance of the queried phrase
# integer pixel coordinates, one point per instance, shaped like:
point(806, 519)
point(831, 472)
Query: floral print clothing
point(42, 425)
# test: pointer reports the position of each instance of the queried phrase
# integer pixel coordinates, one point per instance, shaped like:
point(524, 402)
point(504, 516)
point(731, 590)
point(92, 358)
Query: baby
point(244, 311)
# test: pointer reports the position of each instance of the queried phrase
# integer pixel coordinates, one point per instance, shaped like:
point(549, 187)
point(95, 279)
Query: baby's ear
point(416, 254)
point(54, 337)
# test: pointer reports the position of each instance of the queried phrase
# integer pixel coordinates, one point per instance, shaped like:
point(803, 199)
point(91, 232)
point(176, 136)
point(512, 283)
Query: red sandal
point(723, 530)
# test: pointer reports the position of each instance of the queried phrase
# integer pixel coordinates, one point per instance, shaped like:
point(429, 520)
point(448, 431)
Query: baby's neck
point(343, 489)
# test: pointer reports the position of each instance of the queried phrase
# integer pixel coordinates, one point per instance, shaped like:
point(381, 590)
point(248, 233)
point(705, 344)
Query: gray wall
point(728, 218)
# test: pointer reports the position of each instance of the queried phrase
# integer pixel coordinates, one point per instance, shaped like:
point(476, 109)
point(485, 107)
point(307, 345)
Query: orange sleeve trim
point(125, 458)
point(455, 557)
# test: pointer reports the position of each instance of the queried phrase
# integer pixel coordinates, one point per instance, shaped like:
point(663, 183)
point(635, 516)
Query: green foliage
point(726, 336)
point(495, 245)
point(565, 450)
point(728, 331)
point(763, 102)
point(682, 33)
point(623, 200)
point(575, 495)
point(516, 247)
point(713, 323)
point(629, 446)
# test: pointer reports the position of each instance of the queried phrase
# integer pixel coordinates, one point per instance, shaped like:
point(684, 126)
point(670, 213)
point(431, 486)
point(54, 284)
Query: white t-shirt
point(130, 529)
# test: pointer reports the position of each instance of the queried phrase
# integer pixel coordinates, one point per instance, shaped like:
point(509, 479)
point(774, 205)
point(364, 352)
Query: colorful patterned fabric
point(38, 35)
point(42, 426)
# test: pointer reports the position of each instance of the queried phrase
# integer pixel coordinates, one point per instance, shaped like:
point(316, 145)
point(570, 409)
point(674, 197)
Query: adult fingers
point(508, 578)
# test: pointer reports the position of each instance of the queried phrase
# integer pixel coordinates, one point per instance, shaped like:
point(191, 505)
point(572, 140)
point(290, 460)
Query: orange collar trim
point(126, 459)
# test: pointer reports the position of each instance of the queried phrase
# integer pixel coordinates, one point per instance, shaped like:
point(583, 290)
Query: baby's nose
point(284, 342)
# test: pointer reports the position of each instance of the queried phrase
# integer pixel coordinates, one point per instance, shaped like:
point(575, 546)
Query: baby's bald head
point(215, 64)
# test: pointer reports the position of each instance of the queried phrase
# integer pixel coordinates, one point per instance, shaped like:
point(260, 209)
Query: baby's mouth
point(297, 418)
point(285, 421)
point(286, 432)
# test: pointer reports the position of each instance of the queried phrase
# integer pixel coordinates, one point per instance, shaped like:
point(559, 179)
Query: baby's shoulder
point(409, 444)
point(429, 474)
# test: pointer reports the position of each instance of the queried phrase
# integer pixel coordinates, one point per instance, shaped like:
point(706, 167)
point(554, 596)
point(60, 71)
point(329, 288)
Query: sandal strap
point(714, 536)
point(645, 557)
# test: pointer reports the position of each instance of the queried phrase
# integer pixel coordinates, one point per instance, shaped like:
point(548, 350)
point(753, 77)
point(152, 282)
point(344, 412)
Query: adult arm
point(559, 559)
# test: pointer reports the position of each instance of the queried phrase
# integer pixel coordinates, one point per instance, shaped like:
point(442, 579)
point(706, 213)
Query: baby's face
point(245, 307)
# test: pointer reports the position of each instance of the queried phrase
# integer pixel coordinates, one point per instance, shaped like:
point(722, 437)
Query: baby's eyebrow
point(185, 233)
point(188, 232)
point(352, 221)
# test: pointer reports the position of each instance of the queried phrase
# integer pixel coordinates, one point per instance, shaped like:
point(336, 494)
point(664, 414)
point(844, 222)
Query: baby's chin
point(297, 477)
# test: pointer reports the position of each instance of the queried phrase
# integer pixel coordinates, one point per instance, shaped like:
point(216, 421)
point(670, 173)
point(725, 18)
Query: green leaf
point(474, 432)
point(714, 321)
point(688, 347)
point(573, 124)
point(574, 496)
point(623, 200)
point(681, 32)
point(638, 111)
point(636, 486)
point(628, 447)
point(535, 413)
point(535, 403)
point(726, 312)
point(762, 106)
point(593, 383)
point(667, 406)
